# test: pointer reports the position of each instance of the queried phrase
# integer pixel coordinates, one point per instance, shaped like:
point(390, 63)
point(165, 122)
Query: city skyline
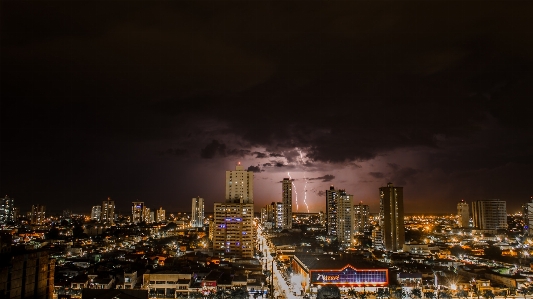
point(155, 100)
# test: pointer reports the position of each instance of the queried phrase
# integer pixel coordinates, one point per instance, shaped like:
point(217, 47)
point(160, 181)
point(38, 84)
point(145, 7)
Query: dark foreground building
point(28, 274)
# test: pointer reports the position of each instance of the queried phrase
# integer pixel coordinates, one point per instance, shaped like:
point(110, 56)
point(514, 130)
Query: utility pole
point(273, 254)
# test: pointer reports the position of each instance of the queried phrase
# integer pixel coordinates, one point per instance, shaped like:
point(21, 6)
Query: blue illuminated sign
point(350, 276)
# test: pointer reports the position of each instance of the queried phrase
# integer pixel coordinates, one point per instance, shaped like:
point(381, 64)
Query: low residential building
point(165, 284)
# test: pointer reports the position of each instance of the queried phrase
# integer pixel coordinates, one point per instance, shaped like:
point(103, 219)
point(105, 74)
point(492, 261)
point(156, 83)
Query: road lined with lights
point(281, 288)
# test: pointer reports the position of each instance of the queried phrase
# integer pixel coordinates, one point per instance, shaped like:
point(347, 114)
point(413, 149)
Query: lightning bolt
point(305, 185)
point(294, 187)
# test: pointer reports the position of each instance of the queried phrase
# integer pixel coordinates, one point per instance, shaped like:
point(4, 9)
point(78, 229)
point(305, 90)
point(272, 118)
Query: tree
point(476, 292)
point(445, 294)
point(416, 293)
point(429, 294)
point(221, 294)
point(240, 293)
point(53, 233)
point(488, 294)
point(400, 293)
point(462, 294)
point(328, 292)
point(196, 295)
point(352, 292)
point(382, 293)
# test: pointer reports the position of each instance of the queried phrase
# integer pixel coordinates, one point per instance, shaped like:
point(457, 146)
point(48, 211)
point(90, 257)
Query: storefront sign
point(351, 276)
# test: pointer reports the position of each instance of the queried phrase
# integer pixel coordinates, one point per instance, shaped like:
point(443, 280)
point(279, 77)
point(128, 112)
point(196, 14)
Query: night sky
point(154, 100)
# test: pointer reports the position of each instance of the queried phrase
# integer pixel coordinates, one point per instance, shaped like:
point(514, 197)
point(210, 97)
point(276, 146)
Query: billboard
point(351, 276)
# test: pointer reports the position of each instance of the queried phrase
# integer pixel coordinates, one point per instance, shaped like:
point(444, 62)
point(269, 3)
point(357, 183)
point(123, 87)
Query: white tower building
point(239, 185)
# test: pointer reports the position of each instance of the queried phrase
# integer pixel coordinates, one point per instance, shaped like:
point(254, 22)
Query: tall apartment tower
point(286, 194)
point(198, 211)
point(331, 211)
point(233, 234)
point(361, 214)
point(7, 210)
point(160, 216)
point(138, 212)
point(528, 228)
point(38, 214)
point(239, 185)
point(272, 215)
point(391, 217)
point(108, 211)
point(96, 213)
point(339, 221)
point(344, 217)
point(463, 214)
point(148, 215)
point(489, 214)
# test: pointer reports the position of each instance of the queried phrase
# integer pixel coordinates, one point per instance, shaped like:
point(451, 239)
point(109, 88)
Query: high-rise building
point(331, 211)
point(529, 217)
point(391, 217)
point(344, 217)
point(160, 217)
point(198, 211)
point(377, 238)
point(233, 234)
point(339, 221)
point(7, 210)
point(463, 214)
point(137, 212)
point(361, 214)
point(489, 214)
point(38, 214)
point(148, 216)
point(286, 195)
point(96, 213)
point(272, 215)
point(239, 185)
point(151, 216)
point(107, 215)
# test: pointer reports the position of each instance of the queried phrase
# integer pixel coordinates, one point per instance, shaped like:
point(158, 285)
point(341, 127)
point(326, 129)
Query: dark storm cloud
point(325, 178)
point(404, 175)
point(386, 76)
point(238, 152)
point(267, 165)
point(377, 175)
point(218, 148)
point(212, 149)
point(321, 193)
point(260, 155)
point(175, 152)
point(393, 166)
point(254, 168)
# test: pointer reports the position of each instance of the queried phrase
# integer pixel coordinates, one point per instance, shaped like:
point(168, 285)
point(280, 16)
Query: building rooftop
point(336, 261)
